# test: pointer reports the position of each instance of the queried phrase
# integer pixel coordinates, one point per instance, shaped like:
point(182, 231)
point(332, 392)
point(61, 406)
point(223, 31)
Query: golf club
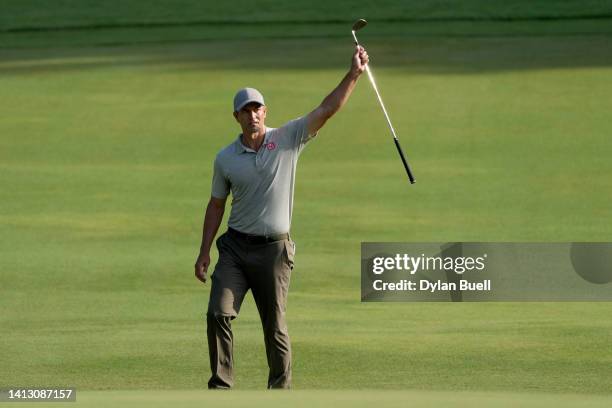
point(359, 24)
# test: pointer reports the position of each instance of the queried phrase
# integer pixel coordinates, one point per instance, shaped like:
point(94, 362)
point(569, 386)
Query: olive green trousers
point(265, 268)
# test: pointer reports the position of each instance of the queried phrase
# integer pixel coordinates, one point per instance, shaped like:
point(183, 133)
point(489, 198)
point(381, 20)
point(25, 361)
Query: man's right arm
point(212, 220)
point(338, 97)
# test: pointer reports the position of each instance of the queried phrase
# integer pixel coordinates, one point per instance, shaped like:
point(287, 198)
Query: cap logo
point(271, 146)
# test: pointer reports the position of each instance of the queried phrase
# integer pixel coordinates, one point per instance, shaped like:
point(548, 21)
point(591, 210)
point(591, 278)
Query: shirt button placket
point(259, 159)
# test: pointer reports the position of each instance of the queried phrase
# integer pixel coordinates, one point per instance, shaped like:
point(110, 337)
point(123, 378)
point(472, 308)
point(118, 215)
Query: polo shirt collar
point(241, 148)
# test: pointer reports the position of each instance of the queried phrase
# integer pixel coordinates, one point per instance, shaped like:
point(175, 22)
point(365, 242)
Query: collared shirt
point(261, 182)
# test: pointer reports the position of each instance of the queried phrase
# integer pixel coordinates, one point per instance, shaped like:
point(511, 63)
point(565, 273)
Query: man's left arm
point(338, 97)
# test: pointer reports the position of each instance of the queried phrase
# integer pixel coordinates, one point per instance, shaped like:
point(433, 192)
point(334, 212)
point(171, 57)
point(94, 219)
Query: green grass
point(105, 166)
point(32, 23)
point(188, 398)
point(36, 14)
point(191, 34)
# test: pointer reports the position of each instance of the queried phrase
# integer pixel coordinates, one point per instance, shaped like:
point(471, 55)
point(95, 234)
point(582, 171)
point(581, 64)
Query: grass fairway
point(106, 157)
point(24, 15)
point(340, 399)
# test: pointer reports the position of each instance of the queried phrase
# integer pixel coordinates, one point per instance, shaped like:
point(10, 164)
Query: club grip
point(406, 166)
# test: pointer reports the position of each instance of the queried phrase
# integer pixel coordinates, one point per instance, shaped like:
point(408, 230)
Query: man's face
point(251, 118)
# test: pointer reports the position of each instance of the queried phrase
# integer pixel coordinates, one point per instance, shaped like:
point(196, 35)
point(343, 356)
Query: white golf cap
point(247, 95)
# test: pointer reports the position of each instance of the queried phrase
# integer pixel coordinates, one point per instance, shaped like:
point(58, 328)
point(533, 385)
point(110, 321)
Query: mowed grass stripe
point(134, 399)
point(33, 14)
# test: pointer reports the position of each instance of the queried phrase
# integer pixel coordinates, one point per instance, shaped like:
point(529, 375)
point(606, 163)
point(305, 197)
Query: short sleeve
point(220, 185)
point(297, 131)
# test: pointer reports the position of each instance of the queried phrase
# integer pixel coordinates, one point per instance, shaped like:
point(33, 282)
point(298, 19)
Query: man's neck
point(253, 140)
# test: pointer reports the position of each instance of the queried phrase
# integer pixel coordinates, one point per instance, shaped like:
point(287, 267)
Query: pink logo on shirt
point(271, 146)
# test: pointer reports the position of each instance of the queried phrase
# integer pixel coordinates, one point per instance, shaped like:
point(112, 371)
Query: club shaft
point(382, 105)
point(380, 101)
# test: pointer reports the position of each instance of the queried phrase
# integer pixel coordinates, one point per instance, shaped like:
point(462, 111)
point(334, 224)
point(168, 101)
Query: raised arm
point(212, 220)
point(338, 97)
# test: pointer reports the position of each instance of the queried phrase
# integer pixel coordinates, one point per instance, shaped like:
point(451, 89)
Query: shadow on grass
point(437, 48)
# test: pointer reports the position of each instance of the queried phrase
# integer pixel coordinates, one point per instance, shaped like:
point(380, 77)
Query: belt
point(257, 239)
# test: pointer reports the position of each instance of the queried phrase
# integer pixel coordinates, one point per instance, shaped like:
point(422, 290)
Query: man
point(256, 252)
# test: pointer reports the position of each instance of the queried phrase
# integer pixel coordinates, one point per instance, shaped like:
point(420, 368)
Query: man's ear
point(265, 111)
point(236, 117)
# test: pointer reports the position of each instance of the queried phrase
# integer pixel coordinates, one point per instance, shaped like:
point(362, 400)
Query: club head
point(359, 24)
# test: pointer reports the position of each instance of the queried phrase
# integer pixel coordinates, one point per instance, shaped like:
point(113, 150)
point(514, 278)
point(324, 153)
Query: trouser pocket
point(290, 252)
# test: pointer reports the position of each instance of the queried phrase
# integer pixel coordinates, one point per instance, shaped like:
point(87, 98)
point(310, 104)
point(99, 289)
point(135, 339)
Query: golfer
point(256, 252)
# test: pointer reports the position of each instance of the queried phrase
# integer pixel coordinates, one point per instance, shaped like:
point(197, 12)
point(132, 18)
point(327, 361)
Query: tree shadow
point(426, 54)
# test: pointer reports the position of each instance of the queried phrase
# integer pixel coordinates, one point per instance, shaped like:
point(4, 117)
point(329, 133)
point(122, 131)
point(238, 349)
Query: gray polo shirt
point(261, 182)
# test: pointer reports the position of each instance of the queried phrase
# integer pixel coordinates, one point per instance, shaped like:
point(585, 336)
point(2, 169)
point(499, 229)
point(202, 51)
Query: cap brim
point(245, 103)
